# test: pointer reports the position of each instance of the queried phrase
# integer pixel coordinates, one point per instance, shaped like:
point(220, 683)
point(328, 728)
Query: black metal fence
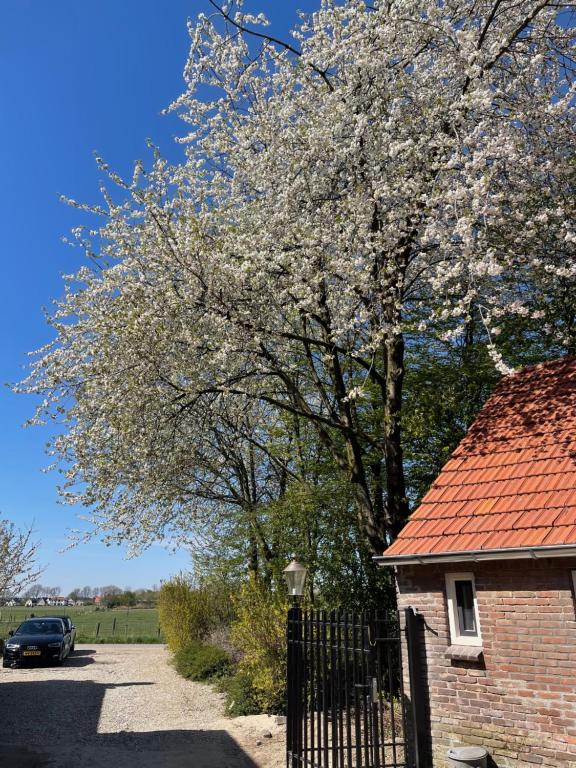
point(346, 704)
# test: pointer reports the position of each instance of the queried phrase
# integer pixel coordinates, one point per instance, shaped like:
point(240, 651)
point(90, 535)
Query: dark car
point(70, 627)
point(38, 640)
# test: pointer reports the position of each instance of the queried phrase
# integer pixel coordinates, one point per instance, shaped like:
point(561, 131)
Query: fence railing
point(93, 625)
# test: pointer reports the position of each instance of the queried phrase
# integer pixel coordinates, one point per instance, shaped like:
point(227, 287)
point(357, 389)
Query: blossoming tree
point(391, 172)
point(18, 567)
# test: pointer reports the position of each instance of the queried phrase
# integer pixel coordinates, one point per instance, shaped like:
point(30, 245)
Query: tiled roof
point(511, 483)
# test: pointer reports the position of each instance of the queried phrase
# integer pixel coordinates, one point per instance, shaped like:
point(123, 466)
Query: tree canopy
point(365, 215)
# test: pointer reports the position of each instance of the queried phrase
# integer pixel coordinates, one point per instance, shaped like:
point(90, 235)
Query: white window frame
point(455, 636)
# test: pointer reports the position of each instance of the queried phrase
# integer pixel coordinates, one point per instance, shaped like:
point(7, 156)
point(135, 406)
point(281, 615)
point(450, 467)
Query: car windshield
point(40, 627)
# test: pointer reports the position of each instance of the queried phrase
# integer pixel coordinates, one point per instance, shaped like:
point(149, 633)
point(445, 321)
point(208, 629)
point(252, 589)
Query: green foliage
point(189, 612)
point(445, 387)
point(184, 613)
point(201, 662)
point(240, 695)
point(259, 632)
point(317, 520)
point(126, 599)
point(218, 595)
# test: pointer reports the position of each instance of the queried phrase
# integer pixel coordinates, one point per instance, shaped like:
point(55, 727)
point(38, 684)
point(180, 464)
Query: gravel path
point(124, 706)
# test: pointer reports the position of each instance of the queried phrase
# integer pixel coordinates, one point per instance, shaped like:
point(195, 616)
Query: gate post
point(417, 688)
point(293, 683)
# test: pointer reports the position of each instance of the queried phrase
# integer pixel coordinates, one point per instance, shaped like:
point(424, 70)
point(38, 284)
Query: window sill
point(464, 652)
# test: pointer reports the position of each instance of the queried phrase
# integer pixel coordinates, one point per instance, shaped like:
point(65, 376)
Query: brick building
point(489, 561)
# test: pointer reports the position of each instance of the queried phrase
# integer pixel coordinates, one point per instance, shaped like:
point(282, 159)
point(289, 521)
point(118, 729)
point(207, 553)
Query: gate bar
point(417, 687)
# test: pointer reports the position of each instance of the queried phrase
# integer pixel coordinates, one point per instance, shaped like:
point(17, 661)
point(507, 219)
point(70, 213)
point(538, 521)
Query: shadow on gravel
point(80, 658)
point(54, 724)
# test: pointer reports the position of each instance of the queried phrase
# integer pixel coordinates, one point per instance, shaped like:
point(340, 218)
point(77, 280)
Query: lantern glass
point(295, 575)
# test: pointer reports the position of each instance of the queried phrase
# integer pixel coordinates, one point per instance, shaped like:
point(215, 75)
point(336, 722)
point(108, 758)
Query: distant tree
point(128, 598)
point(111, 596)
point(112, 589)
point(118, 598)
point(18, 553)
point(35, 590)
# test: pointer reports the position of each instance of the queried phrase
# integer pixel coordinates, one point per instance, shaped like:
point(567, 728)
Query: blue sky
point(76, 77)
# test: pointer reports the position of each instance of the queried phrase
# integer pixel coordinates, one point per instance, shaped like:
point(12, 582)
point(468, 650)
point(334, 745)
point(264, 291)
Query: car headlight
point(54, 645)
point(12, 646)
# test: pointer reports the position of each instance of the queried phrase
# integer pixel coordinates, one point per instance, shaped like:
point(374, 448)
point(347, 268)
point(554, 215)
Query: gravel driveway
point(124, 706)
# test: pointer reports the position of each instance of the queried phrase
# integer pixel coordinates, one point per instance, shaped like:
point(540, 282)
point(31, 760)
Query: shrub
point(218, 593)
point(190, 613)
point(240, 695)
point(184, 613)
point(259, 632)
point(201, 662)
point(220, 637)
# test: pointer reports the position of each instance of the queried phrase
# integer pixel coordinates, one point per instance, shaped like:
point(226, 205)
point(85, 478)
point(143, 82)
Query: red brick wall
point(519, 701)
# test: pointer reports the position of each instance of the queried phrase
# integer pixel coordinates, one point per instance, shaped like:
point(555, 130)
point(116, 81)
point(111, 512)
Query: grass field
point(119, 625)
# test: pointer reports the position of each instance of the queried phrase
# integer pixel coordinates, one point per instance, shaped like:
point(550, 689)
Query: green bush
point(259, 632)
point(187, 612)
point(184, 613)
point(240, 696)
point(201, 662)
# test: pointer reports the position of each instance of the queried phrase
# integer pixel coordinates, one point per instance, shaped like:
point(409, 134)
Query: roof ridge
point(568, 359)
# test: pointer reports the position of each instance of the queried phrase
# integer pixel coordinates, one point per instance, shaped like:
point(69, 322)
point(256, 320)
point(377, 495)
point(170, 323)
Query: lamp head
point(295, 575)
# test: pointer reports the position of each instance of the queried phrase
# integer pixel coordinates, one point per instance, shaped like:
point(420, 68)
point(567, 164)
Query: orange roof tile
point(511, 483)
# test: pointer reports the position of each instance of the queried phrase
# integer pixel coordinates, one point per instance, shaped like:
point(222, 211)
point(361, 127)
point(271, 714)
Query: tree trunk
point(253, 555)
point(396, 501)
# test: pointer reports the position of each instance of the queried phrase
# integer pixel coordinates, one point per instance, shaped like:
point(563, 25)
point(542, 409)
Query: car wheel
point(5, 663)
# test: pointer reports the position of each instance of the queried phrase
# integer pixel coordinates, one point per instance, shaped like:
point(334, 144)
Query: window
point(462, 609)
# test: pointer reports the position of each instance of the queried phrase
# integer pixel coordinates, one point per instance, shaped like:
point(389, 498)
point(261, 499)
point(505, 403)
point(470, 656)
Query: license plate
point(32, 653)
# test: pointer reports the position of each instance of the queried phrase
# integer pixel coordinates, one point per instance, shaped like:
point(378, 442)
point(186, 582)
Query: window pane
point(465, 606)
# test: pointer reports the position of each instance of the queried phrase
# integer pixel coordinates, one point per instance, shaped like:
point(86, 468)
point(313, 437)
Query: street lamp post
point(295, 575)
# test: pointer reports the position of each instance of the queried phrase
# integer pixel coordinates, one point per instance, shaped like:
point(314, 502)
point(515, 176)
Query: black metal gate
point(346, 704)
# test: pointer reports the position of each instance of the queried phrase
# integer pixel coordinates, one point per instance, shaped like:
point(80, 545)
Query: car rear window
point(40, 628)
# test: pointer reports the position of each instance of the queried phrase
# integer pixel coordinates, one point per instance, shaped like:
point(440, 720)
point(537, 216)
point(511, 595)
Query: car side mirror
point(11, 633)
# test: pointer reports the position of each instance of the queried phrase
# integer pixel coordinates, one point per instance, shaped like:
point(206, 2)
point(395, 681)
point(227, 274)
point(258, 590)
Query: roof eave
point(512, 553)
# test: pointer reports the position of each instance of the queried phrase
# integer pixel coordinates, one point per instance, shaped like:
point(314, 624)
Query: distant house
point(489, 562)
point(98, 600)
point(29, 603)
